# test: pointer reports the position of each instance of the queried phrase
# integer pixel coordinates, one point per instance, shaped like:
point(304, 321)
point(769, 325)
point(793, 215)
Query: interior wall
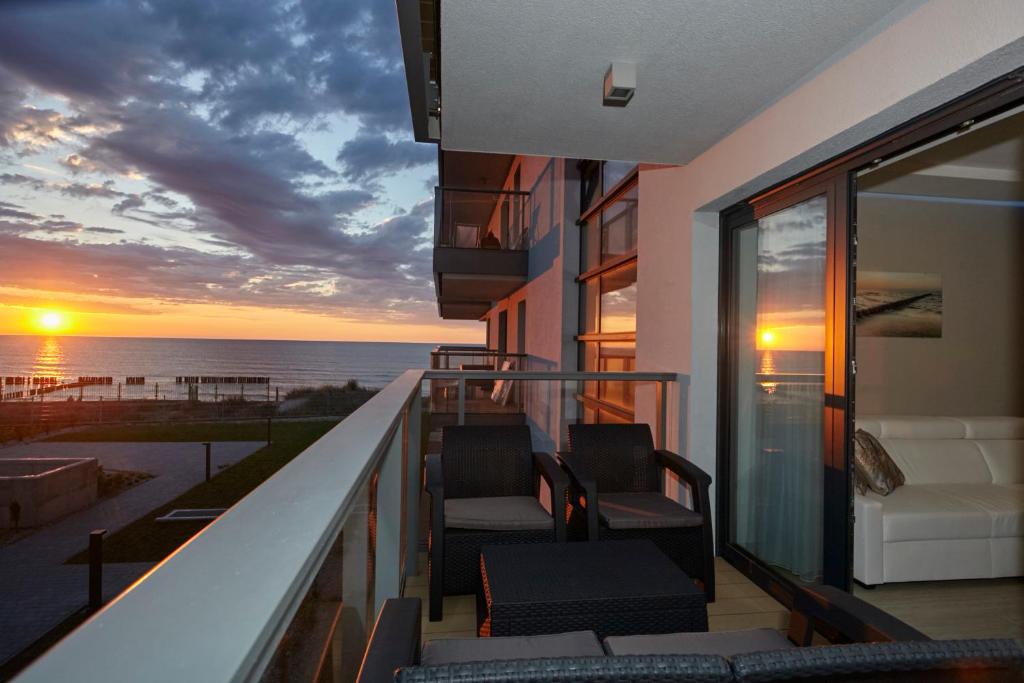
point(977, 366)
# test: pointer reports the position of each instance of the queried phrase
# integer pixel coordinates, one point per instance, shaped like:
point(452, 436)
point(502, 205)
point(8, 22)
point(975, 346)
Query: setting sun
point(51, 321)
point(767, 338)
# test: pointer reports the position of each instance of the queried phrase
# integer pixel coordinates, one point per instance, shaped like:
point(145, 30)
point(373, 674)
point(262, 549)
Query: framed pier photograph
point(899, 304)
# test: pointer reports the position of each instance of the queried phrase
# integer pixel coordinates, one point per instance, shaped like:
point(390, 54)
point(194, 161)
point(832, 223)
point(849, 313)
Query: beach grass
point(146, 540)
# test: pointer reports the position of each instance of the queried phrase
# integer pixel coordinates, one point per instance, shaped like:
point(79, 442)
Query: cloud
point(20, 179)
point(370, 155)
point(191, 115)
point(8, 210)
point(240, 186)
point(69, 302)
point(178, 275)
point(78, 164)
point(89, 190)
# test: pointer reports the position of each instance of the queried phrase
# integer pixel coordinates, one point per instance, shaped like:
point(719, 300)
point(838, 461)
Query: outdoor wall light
point(619, 84)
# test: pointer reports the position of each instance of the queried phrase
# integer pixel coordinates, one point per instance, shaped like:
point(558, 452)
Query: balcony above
point(479, 248)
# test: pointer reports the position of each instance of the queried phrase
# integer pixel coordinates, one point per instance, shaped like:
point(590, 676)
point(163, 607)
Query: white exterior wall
point(551, 293)
point(935, 53)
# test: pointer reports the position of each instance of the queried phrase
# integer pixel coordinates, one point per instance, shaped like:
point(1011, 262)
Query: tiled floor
point(982, 608)
point(991, 608)
point(740, 605)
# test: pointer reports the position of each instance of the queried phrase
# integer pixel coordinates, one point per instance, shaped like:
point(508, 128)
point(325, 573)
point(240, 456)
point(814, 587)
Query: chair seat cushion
point(724, 643)
point(644, 510)
point(457, 650)
point(500, 513)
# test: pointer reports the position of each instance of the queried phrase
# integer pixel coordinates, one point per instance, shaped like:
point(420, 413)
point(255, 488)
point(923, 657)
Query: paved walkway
point(37, 590)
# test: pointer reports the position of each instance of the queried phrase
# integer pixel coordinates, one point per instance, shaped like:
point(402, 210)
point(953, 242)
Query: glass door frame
point(837, 178)
point(837, 499)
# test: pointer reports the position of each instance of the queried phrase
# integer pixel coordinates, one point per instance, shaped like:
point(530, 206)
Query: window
point(608, 290)
point(613, 172)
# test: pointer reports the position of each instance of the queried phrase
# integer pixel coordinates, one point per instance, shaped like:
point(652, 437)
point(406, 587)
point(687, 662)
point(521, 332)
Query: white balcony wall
point(937, 51)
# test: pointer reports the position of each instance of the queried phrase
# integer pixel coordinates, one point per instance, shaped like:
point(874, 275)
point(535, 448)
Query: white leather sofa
point(960, 514)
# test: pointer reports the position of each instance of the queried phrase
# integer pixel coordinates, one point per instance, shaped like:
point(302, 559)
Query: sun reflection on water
point(49, 360)
point(768, 369)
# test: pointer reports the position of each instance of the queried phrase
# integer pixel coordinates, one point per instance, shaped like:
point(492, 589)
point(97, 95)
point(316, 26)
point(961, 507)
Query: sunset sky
point(214, 169)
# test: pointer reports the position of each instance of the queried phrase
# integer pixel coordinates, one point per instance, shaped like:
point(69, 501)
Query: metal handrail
point(553, 375)
point(217, 608)
point(662, 380)
point(480, 352)
point(478, 190)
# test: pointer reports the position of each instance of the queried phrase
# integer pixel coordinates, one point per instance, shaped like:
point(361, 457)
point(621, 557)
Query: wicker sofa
point(960, 514)
point(877, 647)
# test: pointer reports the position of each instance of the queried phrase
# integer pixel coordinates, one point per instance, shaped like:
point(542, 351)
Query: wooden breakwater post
point(96, 569)
point(891, 306)
point(207, 444)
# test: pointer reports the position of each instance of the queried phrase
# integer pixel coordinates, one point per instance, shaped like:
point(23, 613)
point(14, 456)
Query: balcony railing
point(474, 358)
point(480, 219)
point(285, 585)
point(480, 396)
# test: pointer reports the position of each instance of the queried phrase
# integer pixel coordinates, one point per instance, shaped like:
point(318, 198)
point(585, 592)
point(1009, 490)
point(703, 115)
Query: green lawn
point(145, 540)
point(172, 431)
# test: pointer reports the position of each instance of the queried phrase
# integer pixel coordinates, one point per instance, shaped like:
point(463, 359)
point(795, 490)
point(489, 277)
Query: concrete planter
point(46, 488)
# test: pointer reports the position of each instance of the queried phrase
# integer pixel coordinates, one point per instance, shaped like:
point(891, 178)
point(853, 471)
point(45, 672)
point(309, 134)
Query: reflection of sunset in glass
point(51, 322)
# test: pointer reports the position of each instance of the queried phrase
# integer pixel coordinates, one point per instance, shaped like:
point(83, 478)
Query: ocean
point(287, 364)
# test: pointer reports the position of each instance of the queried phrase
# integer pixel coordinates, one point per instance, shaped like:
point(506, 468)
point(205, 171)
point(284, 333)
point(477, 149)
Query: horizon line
point(325, 341)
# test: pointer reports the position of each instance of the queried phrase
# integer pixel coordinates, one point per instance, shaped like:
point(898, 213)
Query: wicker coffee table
point(610, 587)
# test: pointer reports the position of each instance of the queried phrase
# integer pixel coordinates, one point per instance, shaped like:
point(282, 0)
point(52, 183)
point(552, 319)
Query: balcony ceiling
point(473, 170)
point(526, 77)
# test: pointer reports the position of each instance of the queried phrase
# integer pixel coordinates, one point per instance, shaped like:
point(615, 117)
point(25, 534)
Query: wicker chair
point(483, 490)
point(616, 484)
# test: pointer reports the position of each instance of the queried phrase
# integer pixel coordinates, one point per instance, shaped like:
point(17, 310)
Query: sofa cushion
point(1005, 460)
point(724, 643)
point(500, 513)
point(919, 513)
point(913, 427)
point(994, 427)
point(455, 650)
point(938, 461)
point(873, 467)
point(644, 510)
point(1004, 505)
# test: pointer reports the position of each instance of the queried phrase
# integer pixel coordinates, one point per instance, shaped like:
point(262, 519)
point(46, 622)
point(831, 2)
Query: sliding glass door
point(779, 399)
point(786, 370)
point(779, 441)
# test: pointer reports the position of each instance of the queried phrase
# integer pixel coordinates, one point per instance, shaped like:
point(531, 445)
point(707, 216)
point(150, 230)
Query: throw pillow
point(873, 467)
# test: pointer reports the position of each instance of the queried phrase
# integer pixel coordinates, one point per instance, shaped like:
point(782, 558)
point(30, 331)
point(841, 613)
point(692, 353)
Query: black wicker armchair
point(484, 490)
point(616, 484)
